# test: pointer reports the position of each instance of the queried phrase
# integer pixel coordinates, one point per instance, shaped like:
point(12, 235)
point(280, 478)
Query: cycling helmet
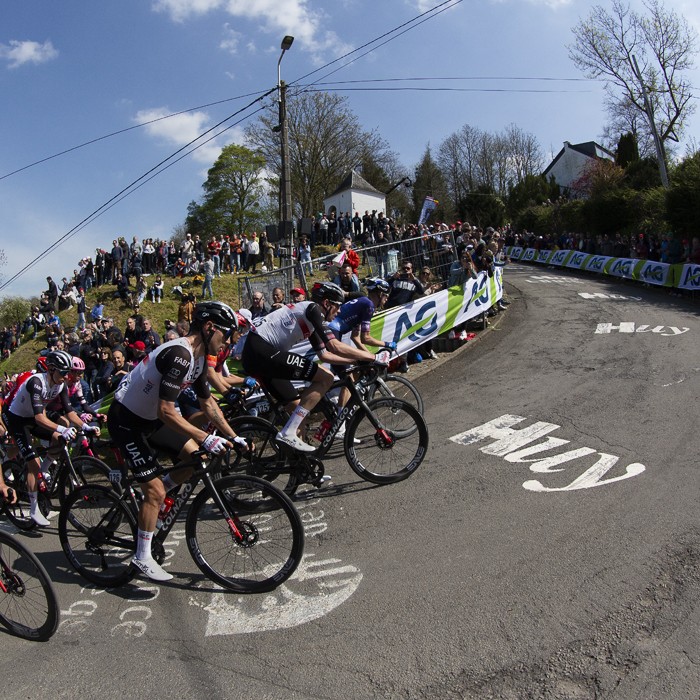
point(327, 290)
point(60, 360)
point(379, 284)
point(242, 321)
point(78, 364)
point(220, 314)
point(41, 365)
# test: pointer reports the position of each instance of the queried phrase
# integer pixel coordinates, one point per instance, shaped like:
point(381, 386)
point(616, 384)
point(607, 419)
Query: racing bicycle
point(28, 602)
point(386, 438)
point(64, 475)
point(242, 532)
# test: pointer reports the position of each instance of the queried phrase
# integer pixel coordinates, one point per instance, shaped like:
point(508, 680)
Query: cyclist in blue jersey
point(355, 317)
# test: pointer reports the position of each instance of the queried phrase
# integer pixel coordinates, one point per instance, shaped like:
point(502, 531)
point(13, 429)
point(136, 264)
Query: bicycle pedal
point(322, 481)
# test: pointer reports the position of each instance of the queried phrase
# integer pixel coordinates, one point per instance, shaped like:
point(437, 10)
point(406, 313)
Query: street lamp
point(285, 179)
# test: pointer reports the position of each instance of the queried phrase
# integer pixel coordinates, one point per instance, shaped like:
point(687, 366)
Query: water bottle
point(322, 430)
point(164, 510)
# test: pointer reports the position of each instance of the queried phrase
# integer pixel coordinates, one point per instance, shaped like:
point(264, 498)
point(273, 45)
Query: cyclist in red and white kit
point(267, 355)
point(26, 417)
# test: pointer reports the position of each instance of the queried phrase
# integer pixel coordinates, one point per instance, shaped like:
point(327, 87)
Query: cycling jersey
point(35, 395)
point(266, 351)
point(353, 315)
point(76, 399)
point(163, 374)
point(291, 324)
point(218, 362)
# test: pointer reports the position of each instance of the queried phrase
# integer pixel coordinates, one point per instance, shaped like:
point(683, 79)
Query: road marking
point(630, 327)
point(332, 583)
point(600, 295)
point(511, 445)
point(318, 586)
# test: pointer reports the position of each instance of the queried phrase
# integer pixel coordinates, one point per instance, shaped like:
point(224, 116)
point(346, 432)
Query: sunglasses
point(228, 332)
point(408, 269)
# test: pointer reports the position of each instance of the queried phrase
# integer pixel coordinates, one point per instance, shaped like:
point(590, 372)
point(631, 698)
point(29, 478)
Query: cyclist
point(76, 398)
point(266, 354)
point(26, 417)
point(355, 317)
point(143, 416)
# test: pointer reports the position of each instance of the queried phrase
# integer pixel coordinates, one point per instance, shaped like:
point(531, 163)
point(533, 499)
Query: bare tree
point(664, 45)
point(524, 154)
point(325, 142)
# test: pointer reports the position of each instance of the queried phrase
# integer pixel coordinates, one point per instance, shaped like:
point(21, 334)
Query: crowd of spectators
point(666, 248)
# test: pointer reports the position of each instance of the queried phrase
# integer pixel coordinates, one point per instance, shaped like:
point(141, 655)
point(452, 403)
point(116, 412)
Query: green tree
point(13, 309)
point(683, 197)
point(531, 191)
point(483, 207)
point(232, 195)
point(430, 182)
point(627, 150)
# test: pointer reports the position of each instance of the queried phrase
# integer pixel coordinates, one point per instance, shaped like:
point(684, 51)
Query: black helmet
point(379, 284)
point(60, 360)
point(327, 290)
point(220, 314)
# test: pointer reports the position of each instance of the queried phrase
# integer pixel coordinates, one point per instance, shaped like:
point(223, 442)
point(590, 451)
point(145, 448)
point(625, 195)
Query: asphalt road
point(548, 547)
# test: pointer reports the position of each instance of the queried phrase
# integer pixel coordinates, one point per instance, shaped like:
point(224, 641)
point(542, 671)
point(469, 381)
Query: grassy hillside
point(225, 289)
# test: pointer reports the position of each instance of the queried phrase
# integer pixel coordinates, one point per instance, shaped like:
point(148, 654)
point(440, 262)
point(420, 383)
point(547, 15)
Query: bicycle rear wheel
point(15, 475)
point(98, 535)
point(28, 602)
point(245, 550)
point(394, 450)
point(398, 387)
point(266, 461)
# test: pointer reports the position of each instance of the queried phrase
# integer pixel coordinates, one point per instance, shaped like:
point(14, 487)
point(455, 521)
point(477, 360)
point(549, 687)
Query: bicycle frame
point(181, 495)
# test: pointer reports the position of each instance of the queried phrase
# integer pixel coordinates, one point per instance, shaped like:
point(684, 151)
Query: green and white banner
point(412, 325)
point(649, 271)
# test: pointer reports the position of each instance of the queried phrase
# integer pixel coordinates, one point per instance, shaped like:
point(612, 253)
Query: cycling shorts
point(276, 368)
point(138, 440)
point(22, 429)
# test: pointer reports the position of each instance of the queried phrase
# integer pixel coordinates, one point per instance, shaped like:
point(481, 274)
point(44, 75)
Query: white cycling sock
point(290, 430)
point(33, 503)
point(46, 464)
point(168, 483)
point(143, 545)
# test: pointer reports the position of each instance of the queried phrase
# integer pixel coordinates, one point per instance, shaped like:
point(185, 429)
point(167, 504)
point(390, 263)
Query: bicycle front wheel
point(28, 602)
point(245, 550)
point(389, 445)
point(98, 535)
point(399, 388)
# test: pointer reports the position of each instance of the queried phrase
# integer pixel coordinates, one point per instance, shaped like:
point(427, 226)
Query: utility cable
point(132, 187)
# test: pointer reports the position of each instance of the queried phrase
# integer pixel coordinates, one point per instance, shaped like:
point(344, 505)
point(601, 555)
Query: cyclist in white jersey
point(266, 354)
point(143, 416)
point(26, 417)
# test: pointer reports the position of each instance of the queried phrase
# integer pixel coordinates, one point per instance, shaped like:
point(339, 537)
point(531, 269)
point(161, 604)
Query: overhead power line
point(155, 170)
point(128, 128)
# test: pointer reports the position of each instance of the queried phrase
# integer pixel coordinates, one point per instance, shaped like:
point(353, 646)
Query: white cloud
point(183, 128)
point(20, 52)
point(276, 16)
point(231, 39)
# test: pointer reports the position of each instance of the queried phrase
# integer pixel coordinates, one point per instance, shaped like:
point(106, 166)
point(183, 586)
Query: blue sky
point(72, 72)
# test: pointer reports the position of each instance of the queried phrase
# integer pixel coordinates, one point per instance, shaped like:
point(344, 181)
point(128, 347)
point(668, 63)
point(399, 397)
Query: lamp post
point(285, 177)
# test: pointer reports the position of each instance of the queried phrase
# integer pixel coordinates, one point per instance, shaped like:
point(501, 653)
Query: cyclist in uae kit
point(26, 417)
point(266, 354)
point(143, 416)
point(355, 317)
